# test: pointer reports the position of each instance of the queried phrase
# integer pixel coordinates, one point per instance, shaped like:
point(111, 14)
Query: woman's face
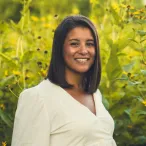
point(79, 50)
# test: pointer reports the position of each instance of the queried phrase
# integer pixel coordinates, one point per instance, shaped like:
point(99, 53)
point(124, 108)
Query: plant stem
point(17, 48)
point(23, 73)
point(1, 51)
point(13, 93)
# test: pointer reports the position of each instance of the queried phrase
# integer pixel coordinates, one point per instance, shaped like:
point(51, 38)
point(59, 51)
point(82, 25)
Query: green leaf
point(141, 139)
point(6, 79)
point(25, 21)
point(15, 27)
point(140, 112)
point(133, 40)
point(109, 41)
point(141, 32)
point(105, 102)
point(8, 49)
point(121, 54)
point(139, 98)
point(143, 72)
point(6, 118)
point(127, 135)
point(123, 77)
point(3, 26)
point(128, 67)
point(7, 58)
point(140, 21)
point(1, 94)
point(133, 83)
point(142, 40)
point(113, 67)
point(116, 17)
point(128, 112)
point(27, 56)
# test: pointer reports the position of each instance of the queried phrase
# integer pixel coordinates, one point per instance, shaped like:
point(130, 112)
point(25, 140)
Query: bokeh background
point(26, 33)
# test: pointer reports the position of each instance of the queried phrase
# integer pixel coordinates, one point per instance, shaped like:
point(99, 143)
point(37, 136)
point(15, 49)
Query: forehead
point(80, 33)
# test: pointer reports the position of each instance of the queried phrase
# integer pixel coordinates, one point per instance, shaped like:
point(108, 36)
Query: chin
point(78, 69)
point(83, 70)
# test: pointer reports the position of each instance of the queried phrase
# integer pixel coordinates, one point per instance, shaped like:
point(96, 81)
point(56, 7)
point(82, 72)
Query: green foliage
point(25, 50)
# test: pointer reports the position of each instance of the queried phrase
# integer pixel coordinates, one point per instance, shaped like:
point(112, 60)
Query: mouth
point(82, 60)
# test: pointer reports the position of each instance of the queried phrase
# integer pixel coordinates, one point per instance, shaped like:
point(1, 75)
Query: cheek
point(93, 53)
point(65, 52)
point(68, 51)
point(67, 55)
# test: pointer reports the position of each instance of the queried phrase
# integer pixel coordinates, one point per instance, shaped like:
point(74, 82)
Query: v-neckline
point(74, 100)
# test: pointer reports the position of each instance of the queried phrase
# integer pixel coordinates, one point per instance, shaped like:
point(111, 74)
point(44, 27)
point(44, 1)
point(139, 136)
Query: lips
point(82, 60)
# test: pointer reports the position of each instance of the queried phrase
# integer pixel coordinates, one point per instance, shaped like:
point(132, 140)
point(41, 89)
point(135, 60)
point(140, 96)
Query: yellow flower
point(43, 19)
point(136, 12)
point(93, 19)
point(16, 72)
point(75, 10)
point(136, 17)
point(34, 18)
point(47, 25)
point(93, 1)
point(123, 6)
point(2, 106)
point(144, 102)
point(141, 10)
point(6, 73)
point(116, 7)
point(4, 143)
point(124, 72)
point(130, 126)
point(42, 72)
point(132, 8)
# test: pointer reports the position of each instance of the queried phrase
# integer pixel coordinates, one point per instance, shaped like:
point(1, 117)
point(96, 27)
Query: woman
point(66, 108)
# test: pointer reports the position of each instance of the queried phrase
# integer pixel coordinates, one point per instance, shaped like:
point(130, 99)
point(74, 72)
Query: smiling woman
point(79, 50)
point(66, 108)
point(64, 35)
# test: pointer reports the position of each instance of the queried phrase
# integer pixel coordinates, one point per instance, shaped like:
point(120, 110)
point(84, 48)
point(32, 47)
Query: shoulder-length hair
point(56, 71)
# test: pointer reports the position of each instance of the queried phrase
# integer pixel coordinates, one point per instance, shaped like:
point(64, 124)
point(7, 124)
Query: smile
point(82, 60)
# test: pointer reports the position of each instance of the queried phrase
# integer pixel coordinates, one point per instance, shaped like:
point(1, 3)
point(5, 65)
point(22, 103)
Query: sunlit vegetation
point(25, 50)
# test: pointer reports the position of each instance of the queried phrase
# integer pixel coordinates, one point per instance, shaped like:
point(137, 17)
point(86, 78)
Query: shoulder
point(32, 101)
point(45, 94)
point(28, 103)
point(98, 95)
point(28, 95)
point(45, 87)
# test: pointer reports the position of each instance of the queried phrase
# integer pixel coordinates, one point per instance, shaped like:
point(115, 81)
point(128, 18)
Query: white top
point(47, 115)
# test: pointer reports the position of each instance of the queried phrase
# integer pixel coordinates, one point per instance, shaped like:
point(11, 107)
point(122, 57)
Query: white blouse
point(47, 115)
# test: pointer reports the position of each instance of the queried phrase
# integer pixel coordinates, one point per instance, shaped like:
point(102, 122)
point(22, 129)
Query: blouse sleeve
point(31, 124)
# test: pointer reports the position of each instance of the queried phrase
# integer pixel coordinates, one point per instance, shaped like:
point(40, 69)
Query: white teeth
point(82, 60)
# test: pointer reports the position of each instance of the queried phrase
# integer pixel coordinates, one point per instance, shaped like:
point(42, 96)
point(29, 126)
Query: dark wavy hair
point(56, 71)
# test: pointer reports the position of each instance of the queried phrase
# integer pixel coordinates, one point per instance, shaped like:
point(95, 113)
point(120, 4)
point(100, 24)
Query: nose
point(83, 49)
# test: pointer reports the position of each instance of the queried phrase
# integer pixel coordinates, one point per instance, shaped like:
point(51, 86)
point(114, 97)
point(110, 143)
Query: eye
point(74, 44)
point(90, 44)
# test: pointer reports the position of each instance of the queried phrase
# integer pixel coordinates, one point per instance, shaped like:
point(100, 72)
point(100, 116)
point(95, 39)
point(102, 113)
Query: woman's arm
point(31, 124)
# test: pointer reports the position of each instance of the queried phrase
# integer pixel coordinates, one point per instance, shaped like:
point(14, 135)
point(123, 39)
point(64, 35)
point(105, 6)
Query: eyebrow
point(73, 40)
point(78, 40)
point(90, 40)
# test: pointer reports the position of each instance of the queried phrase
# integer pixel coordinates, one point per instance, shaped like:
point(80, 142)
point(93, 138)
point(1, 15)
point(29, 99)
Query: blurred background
point(10, 9)
point(26, 34)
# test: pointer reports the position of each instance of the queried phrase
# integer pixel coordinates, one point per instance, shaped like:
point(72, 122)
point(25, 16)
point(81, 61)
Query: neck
point(74, 79)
